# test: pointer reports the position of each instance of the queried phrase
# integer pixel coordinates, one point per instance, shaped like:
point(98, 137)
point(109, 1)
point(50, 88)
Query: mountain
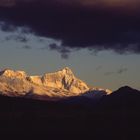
point(115, 116)
point(112, 116)
point(63, 79)
point(50, 86)
point(125, 98)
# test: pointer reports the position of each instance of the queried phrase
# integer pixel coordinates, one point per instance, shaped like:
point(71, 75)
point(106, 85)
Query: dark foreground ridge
point(115, 116)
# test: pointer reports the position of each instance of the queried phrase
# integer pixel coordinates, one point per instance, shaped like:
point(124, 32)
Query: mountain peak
point(67, 70)
point(125, 89)
point(62, 83)
point(65, 79)
point(11, 73)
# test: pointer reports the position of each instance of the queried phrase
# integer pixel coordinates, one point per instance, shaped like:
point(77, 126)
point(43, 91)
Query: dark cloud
point(122, 70)
point(98, 68)
point(65, 51)
point(18, 38)
point(27, 47)
point(108, 73)
point(77, 23)
point(119, 71)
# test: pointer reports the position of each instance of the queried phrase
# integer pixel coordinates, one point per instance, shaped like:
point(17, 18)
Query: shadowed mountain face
point(125, 96)
point(124, 101)
point(115, 116)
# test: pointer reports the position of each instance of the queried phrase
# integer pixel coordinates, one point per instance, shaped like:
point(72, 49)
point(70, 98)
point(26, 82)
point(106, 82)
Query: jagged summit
point(11, 73)
point(67, 70)
point(62, 83)
point(64, 79)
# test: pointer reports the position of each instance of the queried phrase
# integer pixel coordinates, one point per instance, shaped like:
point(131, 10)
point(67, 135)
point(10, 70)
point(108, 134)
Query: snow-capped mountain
point(60, 84)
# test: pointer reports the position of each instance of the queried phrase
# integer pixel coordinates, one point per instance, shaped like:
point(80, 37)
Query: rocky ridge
point(60, 84)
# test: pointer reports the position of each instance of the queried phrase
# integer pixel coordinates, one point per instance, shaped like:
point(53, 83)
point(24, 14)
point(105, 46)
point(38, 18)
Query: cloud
point(27, 47)
point(95, 25)
point(119, 71)
point(98, 68)
point(18, 38)
point(122, 70)
point(63, 50)
point(108, 73)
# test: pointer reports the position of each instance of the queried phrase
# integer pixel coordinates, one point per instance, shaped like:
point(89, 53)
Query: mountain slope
point(125, 98)
point(102, 120)
point(63, 79)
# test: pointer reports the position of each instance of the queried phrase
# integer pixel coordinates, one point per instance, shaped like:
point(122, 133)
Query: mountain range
point(50, 86)
point(60, 105)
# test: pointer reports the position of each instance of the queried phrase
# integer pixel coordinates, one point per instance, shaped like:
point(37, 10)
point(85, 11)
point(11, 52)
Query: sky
point(98, 40)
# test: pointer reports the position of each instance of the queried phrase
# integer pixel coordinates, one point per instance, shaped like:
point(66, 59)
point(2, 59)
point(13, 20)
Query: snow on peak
point(65, 79)
point(62, 83)
point(67, 70)
point(13, 74)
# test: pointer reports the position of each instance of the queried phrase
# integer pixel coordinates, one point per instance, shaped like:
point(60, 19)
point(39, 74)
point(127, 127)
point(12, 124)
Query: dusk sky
point(98, 40)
